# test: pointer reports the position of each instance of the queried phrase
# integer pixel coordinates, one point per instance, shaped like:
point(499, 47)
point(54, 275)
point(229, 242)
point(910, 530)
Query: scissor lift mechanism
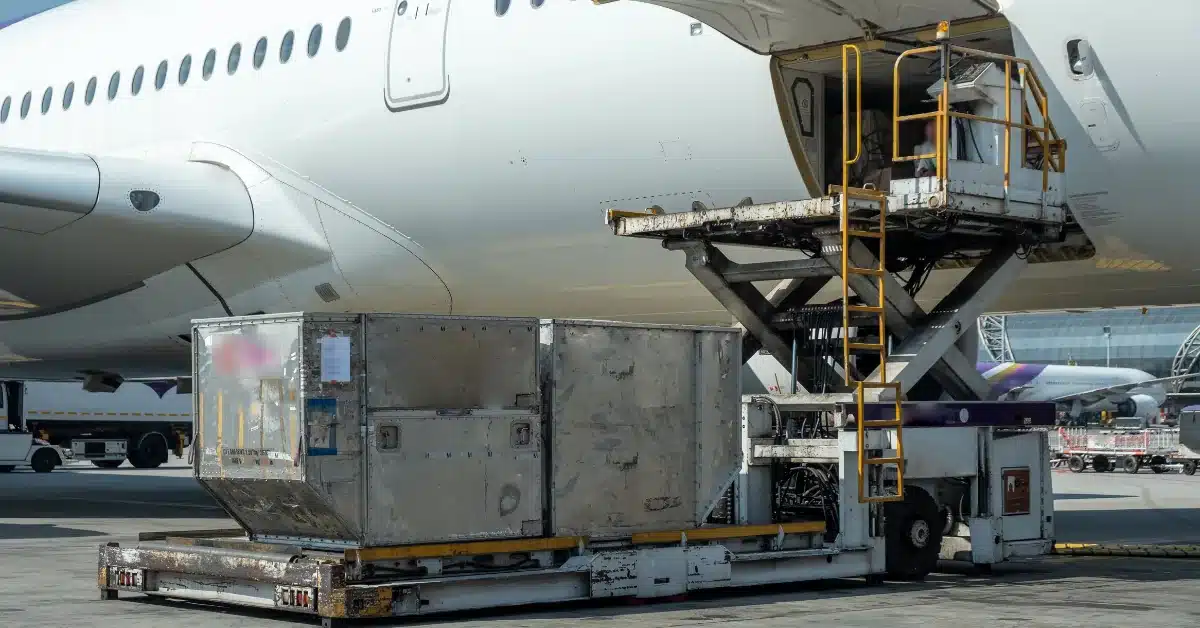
point(862, 235)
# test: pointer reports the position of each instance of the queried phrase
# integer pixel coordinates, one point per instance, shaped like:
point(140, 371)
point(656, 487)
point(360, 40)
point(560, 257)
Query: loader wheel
point(1101, 464)
point(44, 461)
point(1158, 468)
point(913, 533)
point(1076, 464)
point(107, 464)
point(1131, 464)
point(1189, 467)
point(149, 452)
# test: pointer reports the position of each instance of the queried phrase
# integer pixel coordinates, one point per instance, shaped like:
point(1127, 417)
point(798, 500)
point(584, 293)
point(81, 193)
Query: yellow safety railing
point(848, 269)
point(1054, 148)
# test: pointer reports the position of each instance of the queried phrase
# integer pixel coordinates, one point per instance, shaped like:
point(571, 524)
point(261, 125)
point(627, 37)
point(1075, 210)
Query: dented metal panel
point(435, 478)
point(633, 410)
point(427, 362)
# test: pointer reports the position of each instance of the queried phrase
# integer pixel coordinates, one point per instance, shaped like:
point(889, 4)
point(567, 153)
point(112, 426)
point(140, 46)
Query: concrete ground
point(51, 524)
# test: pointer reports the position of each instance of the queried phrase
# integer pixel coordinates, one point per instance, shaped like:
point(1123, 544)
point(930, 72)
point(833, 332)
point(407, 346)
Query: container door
point(416, 68)
point(1018, 491)
point(435, 478)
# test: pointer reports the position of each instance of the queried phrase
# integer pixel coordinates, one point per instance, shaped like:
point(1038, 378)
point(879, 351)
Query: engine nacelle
point(1140, 406)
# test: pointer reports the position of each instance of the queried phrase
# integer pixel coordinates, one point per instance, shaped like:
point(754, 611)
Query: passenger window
point(90, 93)
point(210, 63)
point(260, 53)
point(25, 102)
point(114, 84)
point(343, 35)
point(185, 68)
point(285, 47)
point(47, 98)
point(136, 85)
point(235, 56)
point(68, 95)
point(536, 3)
point(160, 78)
point(314, 41)
point(502, 7)
point(5, 108)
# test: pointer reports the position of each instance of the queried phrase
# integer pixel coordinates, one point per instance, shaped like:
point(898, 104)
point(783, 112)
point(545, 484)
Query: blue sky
point(14, 9)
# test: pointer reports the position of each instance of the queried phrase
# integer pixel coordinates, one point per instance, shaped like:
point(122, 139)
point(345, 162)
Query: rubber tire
point(1158, 468)
point(1131, 464)
point(905, 559)
point(1101, 464)
point(108, 464)
point(1076, 464)
point(1189, 467)
point(8, 468)
point(149, 452)
point(44, 461)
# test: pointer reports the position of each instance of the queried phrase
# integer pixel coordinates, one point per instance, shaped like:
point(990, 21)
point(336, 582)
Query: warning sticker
point(1016, 490)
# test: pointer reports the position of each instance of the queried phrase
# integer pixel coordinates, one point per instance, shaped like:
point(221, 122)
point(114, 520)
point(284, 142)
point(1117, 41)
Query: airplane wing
point(76, 228)
point(1118, 391)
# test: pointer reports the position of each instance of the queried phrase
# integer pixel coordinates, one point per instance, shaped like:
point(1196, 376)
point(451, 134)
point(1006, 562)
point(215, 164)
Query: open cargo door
point(781, 25)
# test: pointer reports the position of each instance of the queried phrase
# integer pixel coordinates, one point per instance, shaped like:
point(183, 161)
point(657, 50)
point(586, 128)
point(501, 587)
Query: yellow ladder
point(848, 234)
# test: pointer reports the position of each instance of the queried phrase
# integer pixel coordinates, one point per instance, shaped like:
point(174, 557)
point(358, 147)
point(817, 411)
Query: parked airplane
point(1079, 389)
point(199, 158)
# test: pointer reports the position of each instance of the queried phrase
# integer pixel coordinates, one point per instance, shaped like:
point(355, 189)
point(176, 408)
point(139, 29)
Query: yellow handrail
point(880, 310)
point(846, 162)
point(1046, 135)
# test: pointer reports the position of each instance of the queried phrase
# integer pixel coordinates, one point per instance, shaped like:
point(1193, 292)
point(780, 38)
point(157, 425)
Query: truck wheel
point(913, 531)
point(1131, 464)
point(107, 464)
point(1189, 467)
point(149, 452)
point(1076, 464)
point(44, 461)
point(1101, 464)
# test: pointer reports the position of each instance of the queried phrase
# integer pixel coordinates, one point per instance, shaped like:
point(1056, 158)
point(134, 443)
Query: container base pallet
point(355, 583)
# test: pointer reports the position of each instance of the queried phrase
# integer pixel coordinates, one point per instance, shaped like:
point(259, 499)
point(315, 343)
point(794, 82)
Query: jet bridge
point(981, 207)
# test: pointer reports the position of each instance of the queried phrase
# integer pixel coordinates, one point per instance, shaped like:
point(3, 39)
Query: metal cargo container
point(381, 429)
point(370, 430)
point(645, 430)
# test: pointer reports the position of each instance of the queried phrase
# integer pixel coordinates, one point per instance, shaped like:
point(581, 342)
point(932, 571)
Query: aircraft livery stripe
point(1010, 376)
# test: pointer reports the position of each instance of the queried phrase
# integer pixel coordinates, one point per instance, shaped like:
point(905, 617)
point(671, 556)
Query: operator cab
point(892, 92)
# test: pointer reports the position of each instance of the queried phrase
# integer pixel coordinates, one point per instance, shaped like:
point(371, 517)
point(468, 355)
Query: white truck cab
point(20, 449)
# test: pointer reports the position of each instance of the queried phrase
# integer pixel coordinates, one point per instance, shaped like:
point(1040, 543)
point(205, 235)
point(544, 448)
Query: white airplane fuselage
point(1048, 382)
point(488, 196)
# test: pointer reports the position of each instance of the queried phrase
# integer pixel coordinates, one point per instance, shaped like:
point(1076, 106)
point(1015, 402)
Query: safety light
point(943, 29)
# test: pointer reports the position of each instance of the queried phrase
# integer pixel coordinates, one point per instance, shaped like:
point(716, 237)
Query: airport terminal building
point(1146, 341)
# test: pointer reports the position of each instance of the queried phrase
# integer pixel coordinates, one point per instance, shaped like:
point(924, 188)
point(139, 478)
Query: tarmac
point(51, 525)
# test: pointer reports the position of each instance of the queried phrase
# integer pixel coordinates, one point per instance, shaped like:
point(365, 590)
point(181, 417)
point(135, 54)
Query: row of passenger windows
point(503, 5)
point(185, 70)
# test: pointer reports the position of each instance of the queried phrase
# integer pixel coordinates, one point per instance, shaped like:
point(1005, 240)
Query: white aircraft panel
point(416, 69)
